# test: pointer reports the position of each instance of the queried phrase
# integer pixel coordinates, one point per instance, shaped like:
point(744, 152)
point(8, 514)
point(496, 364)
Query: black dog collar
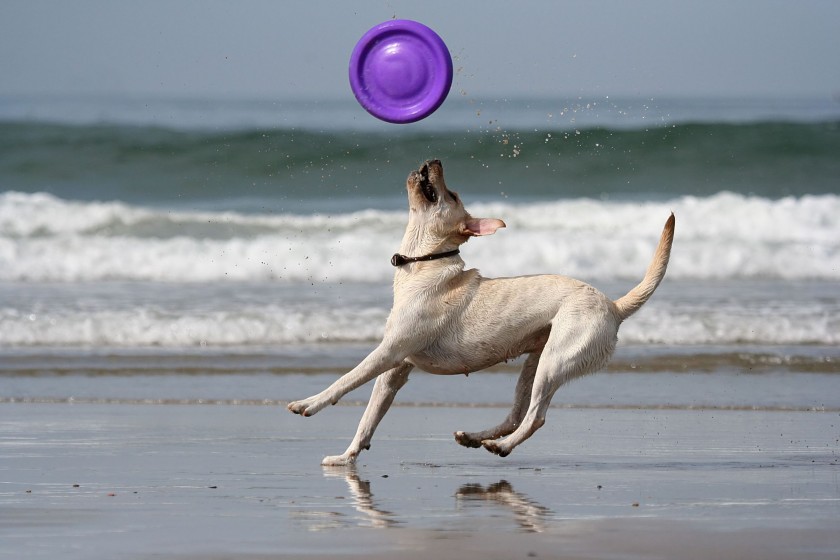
point(399, 260)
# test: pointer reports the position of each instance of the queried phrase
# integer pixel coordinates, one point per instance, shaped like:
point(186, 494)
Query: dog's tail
point(635, 298)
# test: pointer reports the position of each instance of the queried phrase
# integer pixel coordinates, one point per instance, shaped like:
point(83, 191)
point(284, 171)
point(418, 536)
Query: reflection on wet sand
point(530, 516)
point(362, 497)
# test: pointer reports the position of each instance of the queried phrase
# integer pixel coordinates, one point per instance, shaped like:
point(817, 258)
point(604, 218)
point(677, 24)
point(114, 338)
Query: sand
point(96, 480)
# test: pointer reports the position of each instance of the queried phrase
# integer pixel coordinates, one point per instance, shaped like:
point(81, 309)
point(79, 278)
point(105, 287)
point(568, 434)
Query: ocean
point(155, 236)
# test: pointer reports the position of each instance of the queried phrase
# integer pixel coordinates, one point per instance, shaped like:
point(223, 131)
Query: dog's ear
point(482, 226)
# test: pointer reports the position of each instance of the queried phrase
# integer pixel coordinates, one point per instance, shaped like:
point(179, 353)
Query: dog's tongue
point(484, 226)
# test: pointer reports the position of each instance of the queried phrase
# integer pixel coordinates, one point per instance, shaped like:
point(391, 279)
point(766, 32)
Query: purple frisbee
point(400, 71)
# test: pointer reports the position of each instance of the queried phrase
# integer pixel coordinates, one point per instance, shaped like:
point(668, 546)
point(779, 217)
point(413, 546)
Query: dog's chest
point(442, 364)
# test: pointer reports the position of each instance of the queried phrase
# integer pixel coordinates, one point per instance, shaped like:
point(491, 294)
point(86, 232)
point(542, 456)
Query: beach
point(138, 477)
point(200, 208)
point(172, 455)
point(174, 272)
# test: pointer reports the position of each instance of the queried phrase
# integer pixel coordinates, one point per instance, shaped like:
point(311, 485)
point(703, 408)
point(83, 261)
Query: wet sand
point(99, 480)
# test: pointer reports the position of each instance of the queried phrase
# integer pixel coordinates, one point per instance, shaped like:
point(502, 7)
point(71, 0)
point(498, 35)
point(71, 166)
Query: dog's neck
point(426, 256)
point(418, 240)
point(400, 260)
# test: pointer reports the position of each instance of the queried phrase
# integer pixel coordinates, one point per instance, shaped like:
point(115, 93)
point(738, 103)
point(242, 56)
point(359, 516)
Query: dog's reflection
point(362, 496)
point(530, 516)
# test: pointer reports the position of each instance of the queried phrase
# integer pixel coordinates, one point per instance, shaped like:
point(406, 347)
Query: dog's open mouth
point(426, 186)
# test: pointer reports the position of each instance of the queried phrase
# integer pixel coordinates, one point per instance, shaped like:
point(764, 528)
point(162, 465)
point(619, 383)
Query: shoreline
point(338, 357)
point(361, 403)
point(114, 481)
point(779, 388)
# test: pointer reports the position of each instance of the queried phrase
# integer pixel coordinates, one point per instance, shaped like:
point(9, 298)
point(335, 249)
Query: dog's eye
point(428, 191)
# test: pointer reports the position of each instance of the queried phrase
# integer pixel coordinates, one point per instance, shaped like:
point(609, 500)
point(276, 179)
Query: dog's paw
point(493, 446)
point(306, 407)
point(467, 440)
point(346, 460)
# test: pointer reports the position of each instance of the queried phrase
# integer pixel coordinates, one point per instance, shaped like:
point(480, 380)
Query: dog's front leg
point(380, 360)
point(384, 391)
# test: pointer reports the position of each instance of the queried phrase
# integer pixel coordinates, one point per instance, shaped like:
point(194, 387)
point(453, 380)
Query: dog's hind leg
point(521, 400)
point(568, 354)
point(384, 390)
point(532, 421)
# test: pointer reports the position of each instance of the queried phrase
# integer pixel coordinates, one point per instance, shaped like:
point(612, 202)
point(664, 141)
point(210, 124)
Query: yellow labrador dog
point(447, 320)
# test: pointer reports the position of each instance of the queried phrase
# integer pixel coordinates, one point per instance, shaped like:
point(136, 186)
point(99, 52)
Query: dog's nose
point(429, 165)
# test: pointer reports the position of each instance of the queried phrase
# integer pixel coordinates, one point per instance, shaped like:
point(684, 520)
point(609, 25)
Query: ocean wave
point(44, 238)
point(662, 322)
point(775, 322)
point(287, 168)
point(464, 112)
point(155, 327)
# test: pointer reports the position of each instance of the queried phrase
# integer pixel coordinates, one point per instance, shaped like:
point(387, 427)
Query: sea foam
point(44, 238)
point(676, 315)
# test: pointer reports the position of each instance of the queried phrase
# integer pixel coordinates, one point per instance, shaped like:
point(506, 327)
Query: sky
point(289, 50)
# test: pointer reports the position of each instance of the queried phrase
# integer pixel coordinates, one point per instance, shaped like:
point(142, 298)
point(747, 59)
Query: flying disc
point(400, 71)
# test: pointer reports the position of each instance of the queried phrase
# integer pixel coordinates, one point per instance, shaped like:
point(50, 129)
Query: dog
point(446, 320)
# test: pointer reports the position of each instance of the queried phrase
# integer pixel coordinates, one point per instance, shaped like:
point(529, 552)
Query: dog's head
point(437, 214)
